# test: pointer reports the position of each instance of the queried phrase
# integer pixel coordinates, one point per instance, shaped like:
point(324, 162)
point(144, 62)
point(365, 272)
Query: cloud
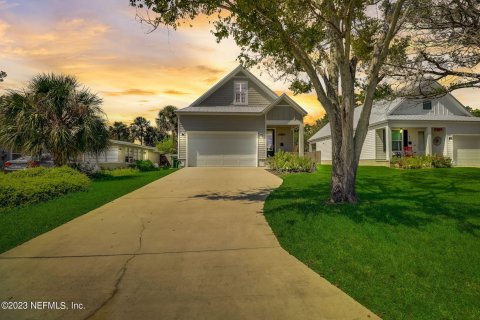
point(174, 92)
point(209, 69)
point(130, 92)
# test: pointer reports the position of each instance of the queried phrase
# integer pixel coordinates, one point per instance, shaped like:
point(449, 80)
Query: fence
point(314, 155)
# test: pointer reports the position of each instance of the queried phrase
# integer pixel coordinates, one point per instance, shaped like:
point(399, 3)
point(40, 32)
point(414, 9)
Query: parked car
point(24, 162)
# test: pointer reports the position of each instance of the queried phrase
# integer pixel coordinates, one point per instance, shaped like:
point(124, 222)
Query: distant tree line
point(142, 131)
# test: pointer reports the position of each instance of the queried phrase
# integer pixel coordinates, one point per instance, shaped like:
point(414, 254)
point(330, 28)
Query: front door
point(270, 142)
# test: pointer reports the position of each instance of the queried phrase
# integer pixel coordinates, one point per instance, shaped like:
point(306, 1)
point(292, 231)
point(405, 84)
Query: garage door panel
point(212, 149)
point(467, 150)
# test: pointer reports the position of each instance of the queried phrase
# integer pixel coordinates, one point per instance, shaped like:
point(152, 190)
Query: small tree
point(53, 114)
point(3, 75)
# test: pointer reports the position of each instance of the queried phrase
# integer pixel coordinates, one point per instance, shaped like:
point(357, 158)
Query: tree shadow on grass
point(412, 199)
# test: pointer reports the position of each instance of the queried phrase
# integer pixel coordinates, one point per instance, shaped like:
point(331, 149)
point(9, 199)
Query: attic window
point(427, 105)
point(241, 92)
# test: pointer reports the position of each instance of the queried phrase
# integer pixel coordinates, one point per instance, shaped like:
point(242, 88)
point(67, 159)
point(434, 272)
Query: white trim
point(283, 122)
point(186, 149)
point(241, 83)
point(290, 103)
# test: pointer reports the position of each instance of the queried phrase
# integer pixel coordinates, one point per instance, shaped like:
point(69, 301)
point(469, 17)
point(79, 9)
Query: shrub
point(145, 165)
point(167, 146)
point(419, 162)
point(89, 169)
point(39, 184)
point(289, 162)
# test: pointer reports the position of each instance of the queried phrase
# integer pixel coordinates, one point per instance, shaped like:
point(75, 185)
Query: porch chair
point(408, 152)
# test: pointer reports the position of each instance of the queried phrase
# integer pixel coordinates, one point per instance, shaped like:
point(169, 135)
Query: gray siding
point(283, 112)
point(443, 106)
point(224, 95)
point(380, 146)
point(221, 123)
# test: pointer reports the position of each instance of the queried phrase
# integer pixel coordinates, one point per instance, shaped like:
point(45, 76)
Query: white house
point(440, 126)
point(121, 154)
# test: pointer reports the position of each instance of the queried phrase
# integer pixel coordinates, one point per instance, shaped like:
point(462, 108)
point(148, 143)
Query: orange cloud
point(130, 92)
point(174, 92)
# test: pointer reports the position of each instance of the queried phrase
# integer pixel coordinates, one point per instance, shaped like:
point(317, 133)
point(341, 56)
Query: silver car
point(24, 162)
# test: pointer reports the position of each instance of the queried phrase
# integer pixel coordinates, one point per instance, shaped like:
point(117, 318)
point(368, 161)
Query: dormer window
point(427, 105)
point(241, 92)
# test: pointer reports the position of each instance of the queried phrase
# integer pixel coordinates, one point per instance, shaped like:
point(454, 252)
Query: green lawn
point(24, 223)
point(409, 250)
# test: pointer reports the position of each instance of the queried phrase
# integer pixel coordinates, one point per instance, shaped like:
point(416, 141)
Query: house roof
point(131, 144)
point(228, 77)
point(197, 108)
point(382, 112)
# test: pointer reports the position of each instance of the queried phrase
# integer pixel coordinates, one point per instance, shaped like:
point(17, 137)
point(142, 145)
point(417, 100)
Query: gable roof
point(383, 111)
point(233, 73)
point(194, 107)
point(289, 101)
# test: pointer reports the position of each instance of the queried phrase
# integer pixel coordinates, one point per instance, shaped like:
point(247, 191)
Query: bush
point(419, 162)
point(167, 146)
point(89, 169)
point(289, 162)
point(40, 184)
point(145, 165)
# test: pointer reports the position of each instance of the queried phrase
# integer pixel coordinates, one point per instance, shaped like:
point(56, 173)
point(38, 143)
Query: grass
point(409, 250)
point(21, 224)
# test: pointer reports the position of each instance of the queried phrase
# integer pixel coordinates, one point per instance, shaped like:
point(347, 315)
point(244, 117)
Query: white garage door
point(222, 149)
point(466, 150)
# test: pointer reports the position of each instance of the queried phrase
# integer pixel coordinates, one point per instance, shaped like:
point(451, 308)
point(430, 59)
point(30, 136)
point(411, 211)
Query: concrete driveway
point(193, 245)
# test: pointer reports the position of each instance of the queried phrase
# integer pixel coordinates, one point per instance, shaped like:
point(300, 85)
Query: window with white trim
point(241, 92)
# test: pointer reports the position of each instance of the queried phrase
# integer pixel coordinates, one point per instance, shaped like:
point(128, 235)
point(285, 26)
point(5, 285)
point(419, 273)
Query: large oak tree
point(335, 48)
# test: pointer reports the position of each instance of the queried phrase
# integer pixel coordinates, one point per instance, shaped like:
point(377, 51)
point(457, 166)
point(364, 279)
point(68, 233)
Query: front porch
point(409, 141)
point(285, 137)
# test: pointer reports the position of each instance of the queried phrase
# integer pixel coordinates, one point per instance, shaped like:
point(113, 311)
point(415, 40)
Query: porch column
point(428, 150)
point(300, 140)
point(388, 142)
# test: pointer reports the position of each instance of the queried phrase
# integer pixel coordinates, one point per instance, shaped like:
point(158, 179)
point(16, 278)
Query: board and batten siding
point(224, 95)
point(230, 123)
point(444, 106)
point(283, 112)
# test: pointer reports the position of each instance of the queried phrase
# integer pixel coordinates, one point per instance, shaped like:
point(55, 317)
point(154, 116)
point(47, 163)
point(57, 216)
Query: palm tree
point(54, 114)
point(138, 128)
point(119, 131)
point(167, 120)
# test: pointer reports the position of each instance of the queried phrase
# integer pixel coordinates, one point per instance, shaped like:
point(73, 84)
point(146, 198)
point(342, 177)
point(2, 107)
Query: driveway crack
point(123, 271)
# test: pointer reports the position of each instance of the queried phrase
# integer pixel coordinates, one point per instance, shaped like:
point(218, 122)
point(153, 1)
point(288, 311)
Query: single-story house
point(440, 126)
point(238, 122)
point(7, 154)
point(121, 154)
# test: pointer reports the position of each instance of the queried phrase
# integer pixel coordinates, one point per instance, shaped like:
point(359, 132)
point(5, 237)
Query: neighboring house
point(440, 126)
point(238, 122)
point(8, 154)
point(121, 154)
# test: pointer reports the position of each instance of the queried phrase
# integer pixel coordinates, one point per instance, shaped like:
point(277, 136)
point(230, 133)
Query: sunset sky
point(134, 71)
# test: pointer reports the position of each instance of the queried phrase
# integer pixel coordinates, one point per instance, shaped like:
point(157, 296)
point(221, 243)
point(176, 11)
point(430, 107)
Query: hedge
point(39, 184)
point(289, 162)
point(419, 162)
